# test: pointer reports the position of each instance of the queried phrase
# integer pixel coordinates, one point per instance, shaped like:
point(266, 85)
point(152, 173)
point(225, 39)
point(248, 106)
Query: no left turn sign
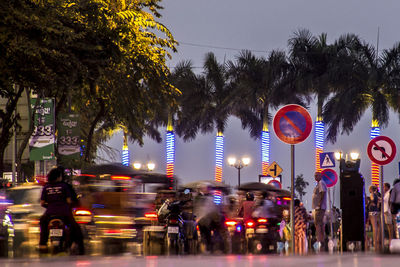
point(381, 150)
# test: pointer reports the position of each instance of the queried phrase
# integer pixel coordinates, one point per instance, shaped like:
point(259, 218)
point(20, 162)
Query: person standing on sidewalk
point(374, 217)
point(386, 210)
point(319, 208)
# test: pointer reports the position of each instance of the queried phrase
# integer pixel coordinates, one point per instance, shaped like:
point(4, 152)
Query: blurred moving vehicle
point(262, 232)
point(116, 204)
point(19, 228)
point(180, 227)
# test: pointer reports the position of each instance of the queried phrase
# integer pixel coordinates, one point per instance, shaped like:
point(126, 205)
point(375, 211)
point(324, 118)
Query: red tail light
point(82, 212)
point(173, 221)
point(82, 216)
point(230, 223)
point(250, 224)
point(112, 231)
point(120, 177)
point(262, 220)
point(151, 215)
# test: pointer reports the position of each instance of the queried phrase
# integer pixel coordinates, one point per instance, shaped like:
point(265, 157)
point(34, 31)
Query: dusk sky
point(227, 26)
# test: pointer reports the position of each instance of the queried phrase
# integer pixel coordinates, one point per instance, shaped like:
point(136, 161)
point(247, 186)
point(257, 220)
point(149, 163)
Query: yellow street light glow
point(246, 161)
point(338, 155)
point(354, 155)
point(232, 161)
point(151, 166)
point(137, 165)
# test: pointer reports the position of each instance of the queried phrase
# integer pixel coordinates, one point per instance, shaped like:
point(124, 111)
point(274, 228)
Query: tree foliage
point(300, 185)
point(107, 57)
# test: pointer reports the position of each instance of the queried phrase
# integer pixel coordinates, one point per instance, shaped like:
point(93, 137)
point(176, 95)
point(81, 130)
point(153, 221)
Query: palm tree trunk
point(375, 170)
point(265, 143)
point(319, 131)
point(219, 159)
point(170, 150)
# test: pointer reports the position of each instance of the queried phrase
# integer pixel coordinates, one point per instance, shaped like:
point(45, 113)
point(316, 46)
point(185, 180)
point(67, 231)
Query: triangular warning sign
point(327, 161)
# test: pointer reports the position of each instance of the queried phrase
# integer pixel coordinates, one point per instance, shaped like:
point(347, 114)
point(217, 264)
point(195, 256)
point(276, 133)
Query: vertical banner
point(41, 143)
point(68, 137)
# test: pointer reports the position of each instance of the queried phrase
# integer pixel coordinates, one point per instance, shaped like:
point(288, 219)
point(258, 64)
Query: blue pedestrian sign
point(327, 160)
point(330, 177)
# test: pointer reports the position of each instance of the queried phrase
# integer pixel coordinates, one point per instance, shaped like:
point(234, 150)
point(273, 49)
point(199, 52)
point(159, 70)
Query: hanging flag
point(41, 143)
point(68, 138)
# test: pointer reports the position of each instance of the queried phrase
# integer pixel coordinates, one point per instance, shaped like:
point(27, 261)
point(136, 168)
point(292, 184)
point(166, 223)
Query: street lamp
point(239, 164)
point(149, 166)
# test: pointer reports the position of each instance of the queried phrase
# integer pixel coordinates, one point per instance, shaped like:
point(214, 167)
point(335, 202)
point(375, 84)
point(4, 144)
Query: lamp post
point(239, 164)
point(149, 167)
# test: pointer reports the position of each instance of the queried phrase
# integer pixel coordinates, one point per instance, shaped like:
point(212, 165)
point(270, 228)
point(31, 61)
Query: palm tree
point(365, 80)
point(259, 84)
point(204, 105)
point(313, 58)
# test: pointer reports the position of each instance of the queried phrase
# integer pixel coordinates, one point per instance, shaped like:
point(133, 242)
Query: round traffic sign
point(292, 124)
point(381, 150)
point(330, 177)
point(275, 183)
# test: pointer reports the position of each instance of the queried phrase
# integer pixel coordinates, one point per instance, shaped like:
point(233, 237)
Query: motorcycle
point(262, 235)
point(180, 228)
point(59, 235)
point(237, 236)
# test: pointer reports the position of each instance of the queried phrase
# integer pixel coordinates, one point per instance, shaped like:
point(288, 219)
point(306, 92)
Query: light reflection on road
point(323, 260)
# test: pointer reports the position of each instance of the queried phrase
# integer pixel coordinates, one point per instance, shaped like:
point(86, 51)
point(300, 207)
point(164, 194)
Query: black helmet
point(249, 196)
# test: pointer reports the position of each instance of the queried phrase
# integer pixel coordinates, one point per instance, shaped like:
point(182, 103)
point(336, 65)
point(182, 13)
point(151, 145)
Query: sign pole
point(330, 213)
point(292, 224)
point(382, 211)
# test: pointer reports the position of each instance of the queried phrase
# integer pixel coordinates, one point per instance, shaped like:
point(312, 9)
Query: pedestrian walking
point(395, 205)
point(319, 208)
point(300, 229)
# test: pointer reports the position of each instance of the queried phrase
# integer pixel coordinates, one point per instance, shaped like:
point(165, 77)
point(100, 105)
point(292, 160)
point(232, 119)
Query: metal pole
point(382, 212)
point(331, 212)
point(239, 176)
point(292, 223)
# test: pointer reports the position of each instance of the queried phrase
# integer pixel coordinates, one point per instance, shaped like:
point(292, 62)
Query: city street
point(322, 260)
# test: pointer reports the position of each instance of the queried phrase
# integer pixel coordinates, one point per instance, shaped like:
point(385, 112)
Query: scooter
point(180, 229)
point(262, 235)
point(237, 235)
point(59, 235)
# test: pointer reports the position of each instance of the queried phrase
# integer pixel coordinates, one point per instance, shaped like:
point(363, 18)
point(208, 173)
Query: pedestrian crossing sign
point(327, 160)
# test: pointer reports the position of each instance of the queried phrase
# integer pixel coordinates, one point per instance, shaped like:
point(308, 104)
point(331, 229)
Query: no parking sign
point(292, 124)
point(330, 177)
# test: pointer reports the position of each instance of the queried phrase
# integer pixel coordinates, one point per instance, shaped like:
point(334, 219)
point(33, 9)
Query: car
point(20, 214)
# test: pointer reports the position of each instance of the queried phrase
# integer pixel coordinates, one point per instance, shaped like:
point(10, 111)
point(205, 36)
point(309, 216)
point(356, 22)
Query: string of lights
point(375, 131)
point(319, 142)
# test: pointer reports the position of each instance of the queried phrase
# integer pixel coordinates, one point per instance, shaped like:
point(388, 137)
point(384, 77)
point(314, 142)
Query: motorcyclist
point(76, 232)
point(56, 198)
point(247, 207)
point(208, 216)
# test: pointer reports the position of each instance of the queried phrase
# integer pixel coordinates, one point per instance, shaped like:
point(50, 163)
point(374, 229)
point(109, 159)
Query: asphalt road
point(321, 260)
